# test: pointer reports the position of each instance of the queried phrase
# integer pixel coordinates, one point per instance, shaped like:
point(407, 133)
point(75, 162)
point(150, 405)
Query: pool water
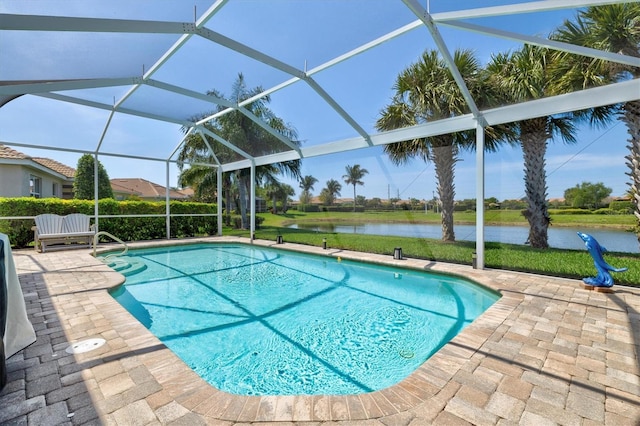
point(260, 321)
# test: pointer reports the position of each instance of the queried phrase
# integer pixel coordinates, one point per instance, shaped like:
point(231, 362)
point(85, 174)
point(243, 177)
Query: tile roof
point(55, 166)
point(6, 152)
point(143, 188)
point(11, 154)
point(123, 189)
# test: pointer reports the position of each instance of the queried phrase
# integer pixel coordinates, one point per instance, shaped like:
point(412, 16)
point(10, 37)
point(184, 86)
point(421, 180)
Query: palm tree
point(247, 135)
point(330, 192)
point(523, 75)
point(426, 91)
point(306, 184)
point(354, 177)
point(286, 191)
point(613, 28)
point(279, 191)
point(203, 179)
point(272, 191)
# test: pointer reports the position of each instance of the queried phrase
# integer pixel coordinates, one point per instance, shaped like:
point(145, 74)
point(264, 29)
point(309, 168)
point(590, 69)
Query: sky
point(304, 34)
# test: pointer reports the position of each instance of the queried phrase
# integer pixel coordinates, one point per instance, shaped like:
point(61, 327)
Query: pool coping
point(429, 388)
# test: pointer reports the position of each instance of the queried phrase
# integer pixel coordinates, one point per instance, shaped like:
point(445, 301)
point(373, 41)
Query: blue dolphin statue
point(604, 278)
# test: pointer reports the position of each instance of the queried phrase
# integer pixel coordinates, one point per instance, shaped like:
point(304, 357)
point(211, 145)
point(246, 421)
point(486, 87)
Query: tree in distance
point(587, 195)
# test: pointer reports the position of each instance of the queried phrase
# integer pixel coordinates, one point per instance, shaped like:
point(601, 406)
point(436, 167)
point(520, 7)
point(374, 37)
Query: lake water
point(565, 238)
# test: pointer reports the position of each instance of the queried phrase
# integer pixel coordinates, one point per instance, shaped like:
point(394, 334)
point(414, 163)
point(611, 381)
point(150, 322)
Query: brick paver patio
point(548, 352)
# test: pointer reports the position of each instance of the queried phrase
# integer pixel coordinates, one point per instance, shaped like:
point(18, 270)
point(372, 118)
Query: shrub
point(342, 209)
point(126, 228)
point(311, 208)
point(605, 211)
point(625, 206)
point(569, 211)
point(237, 221)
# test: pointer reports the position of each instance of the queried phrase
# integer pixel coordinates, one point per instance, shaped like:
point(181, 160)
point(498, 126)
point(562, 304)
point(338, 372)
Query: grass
point(492, 217)
point(554, 262)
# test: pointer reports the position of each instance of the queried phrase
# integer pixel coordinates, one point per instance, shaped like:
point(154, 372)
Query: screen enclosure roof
point(327, 66)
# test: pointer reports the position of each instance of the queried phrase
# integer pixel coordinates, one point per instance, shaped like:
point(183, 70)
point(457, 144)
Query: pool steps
point(126, 265)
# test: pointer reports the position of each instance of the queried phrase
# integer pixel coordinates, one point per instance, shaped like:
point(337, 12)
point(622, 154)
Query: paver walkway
point(549, 352)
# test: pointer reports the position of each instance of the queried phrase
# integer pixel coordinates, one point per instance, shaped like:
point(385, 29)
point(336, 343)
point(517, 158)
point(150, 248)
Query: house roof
point(53, 165)
point(7, 152)
point(144, 188)
point(117, 187)
point(56, 166)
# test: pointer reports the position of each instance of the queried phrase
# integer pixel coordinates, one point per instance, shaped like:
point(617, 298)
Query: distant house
point(145, 190)
point(24, 176)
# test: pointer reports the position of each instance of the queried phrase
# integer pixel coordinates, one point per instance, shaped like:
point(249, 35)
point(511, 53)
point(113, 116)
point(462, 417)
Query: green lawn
point(492, 217)
point(555, 262)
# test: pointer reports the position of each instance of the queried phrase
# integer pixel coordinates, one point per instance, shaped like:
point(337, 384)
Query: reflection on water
point(565, 238)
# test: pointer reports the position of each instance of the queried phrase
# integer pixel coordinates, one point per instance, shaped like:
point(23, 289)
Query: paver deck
point(548, 352)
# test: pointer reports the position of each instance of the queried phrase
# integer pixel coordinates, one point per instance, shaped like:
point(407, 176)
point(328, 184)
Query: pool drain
point(85, 346)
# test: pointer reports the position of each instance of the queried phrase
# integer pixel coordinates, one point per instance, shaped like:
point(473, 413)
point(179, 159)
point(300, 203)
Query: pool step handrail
point(109, 256)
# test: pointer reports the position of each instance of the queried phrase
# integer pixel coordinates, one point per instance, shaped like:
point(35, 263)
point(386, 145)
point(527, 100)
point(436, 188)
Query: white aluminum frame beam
point(599, 96)
point(519, 8)
point(480, 174)
point(13, 22)
point(219, 101)
point(174, 48)
point(281, 66)
point(422, 13)
point(41, 86)
point(545, 42)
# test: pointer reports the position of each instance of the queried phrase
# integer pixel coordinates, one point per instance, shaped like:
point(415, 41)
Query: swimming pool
point(259, 321)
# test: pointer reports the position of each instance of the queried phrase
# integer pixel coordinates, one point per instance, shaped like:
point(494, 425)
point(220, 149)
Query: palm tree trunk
point(242, 191)
point(354, 197)
point(534, 147)
point(226, 181)
point(444, 160)
point(631, 118)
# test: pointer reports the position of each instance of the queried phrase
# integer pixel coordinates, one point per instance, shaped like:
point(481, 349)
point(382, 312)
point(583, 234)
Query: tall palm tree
point(247, 135)
point(250, 137)
point(279, 191)
point(523, 75)
point(272, 191)
point(286, 191)
point(613, 28)
point(330, 192)
point(204, 179)
point(306, 184)
point(426, 91)
point(354, 177)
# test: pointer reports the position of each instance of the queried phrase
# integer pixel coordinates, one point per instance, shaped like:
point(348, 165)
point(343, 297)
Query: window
point(54, 190)
point(35, 183)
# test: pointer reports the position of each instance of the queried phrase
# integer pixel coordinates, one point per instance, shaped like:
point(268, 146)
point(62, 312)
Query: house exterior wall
point(15, 182)
point(12, 183)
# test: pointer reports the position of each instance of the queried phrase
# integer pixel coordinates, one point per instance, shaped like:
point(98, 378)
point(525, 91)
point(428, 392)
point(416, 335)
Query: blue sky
point(302, 34)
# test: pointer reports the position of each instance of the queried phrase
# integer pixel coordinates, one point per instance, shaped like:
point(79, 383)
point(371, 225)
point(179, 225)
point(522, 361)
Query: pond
point(559, 237)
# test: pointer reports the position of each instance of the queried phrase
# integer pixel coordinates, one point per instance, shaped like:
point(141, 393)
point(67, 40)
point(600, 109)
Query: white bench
point(74, 230)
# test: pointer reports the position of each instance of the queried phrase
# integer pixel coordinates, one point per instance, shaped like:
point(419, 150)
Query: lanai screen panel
point(328, 67)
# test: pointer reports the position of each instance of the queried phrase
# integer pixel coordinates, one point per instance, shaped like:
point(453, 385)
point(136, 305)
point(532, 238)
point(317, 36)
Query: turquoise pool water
point(260, 321)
